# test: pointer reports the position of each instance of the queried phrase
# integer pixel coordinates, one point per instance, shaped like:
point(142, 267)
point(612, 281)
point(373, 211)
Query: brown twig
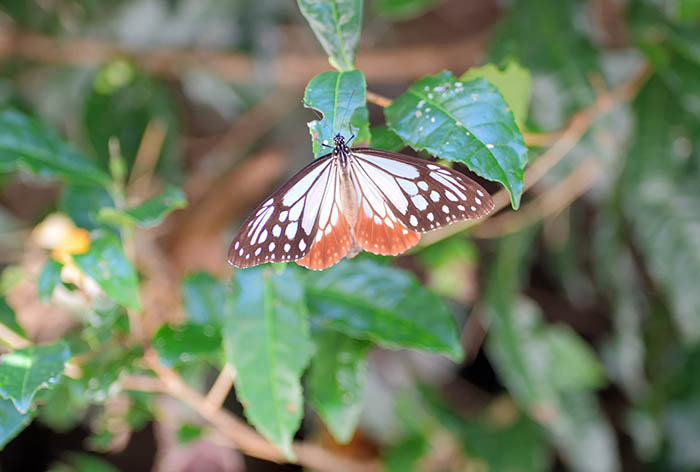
point(149, 150)
point(242, 436)
point(219, 391)
point(550, 203)
point(388, 65)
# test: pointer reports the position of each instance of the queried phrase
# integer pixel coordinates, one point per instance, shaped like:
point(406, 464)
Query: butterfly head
point(340, 147)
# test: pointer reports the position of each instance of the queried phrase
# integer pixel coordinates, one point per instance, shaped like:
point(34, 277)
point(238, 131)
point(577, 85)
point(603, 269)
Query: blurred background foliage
point(561, 336)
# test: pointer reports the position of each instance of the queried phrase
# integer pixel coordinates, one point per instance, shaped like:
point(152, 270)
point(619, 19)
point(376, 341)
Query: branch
point(388, 65)
point(242, 436)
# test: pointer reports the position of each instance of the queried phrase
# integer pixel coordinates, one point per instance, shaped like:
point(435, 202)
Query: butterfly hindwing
point(423, 195)
point(282, 228)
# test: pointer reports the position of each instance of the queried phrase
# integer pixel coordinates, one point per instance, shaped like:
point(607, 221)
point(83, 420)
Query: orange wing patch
point(386, 236)
point(331, 243)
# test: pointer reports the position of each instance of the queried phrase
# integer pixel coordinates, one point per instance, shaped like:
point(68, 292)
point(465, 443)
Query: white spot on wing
point(276, 231)
point(302, 245)
point(434, 196)
point(291, 230)
point(413, 220)
point(420, 202)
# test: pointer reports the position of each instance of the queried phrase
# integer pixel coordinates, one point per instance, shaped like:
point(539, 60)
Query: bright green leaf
point(337, 25)
point(150, 213)
point(188, 433)
point(187, 343)
point(26, 143)
point(204, 298)
point(463, 121)
point(384, 138)
point(7, 317)
point(367, 300)
point(267, 340)
point(340, 97)
point(106, 262)
point(405, 455)
point(404, 9)
point(12, 422)
point(513, 82)
point(49, 277)
point(336, 381)
point(24, 371)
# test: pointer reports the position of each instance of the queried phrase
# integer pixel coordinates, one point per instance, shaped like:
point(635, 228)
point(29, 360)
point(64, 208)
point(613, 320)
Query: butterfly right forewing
point(423, 195)
point(283, 228)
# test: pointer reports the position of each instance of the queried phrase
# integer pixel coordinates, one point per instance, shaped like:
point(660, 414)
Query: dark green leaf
point(340, 97)
point(26, 143)
point(513, 82)
point(384, 138)
point(106, 262)
point(101, 374)
point(405, 455)
point(517, 444)
point(7, 317)
point(187, 343)
point(122, 103)
point(660, 198)
point(527, 355)
point(204, 298)
point(463, 121)
point(24, 371)
point(49, 277)
point(148, 214)
point(82, 204)
point(90, 463)
point(267, 341)
point(336, 381)
point(12, 421)
point(367, 300)
point(65, 406)
point(337, 25)
point(404, 9)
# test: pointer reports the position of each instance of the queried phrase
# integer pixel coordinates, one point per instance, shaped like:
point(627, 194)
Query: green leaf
point(513, 82)
point(81, 462)
point(545, 37)
point(62, 408)
point(517, 444)
point(188, 433)
point(150, 213)
point(526, 354)
point(463, 121)
point(340, 97)
point(82, 203)
point(337, 25)
point(336, 381)
point(187, 343)
point(26, 143)
point(404, 9)
point(7, 317)
point(106, 262)
point(267, 341)
point(659, 200)
point(367, 300)
point(405, 455)
point(101, 374)
point(49, 277)
point(12, 422)
point(24, 371)
point(121, 104)
point(384, 138)
point(204, 298)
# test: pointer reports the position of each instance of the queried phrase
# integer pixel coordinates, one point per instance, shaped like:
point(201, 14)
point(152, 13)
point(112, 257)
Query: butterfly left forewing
point(282, 228)
point(423, 195)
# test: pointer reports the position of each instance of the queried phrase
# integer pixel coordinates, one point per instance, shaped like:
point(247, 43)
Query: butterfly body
point(355, 199)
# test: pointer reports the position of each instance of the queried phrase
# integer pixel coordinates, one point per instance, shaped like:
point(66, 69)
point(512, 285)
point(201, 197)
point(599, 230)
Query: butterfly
point(355, 199)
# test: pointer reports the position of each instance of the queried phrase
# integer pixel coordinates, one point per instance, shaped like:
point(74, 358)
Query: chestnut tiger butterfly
point(355, 199)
